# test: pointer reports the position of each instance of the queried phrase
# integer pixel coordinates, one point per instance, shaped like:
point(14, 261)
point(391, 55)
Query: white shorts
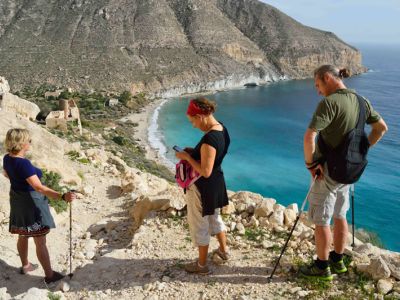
point(201, 228)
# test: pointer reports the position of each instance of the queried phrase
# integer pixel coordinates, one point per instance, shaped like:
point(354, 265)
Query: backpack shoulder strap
point(362, 114)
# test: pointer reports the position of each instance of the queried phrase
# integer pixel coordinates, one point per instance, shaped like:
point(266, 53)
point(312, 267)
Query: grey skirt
point(30, 214)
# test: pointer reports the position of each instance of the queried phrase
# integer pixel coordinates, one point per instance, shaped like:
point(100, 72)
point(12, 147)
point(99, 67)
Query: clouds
point(353, 21)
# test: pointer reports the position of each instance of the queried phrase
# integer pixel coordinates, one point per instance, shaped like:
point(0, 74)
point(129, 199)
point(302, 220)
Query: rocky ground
point(130, 240)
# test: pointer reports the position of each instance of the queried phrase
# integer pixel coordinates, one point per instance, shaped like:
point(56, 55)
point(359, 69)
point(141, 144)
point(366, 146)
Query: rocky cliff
point(159, 45)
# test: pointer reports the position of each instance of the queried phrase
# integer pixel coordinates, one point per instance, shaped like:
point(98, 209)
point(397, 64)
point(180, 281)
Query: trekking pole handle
point(309, 191)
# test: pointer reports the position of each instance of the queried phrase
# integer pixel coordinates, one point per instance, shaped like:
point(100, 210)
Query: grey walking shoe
point(225, 256)
point(337, 267)
point(312, 271)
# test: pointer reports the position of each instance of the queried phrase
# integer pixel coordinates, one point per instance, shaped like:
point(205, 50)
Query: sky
point(354, 21)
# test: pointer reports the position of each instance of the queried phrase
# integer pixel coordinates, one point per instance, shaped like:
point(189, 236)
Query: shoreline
point(146, 122)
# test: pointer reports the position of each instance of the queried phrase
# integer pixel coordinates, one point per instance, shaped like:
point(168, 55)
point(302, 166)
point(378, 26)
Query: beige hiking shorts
point(328, 199)
point(201, 228)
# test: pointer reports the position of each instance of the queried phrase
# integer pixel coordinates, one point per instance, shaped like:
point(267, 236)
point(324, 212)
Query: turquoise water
point(267, 124)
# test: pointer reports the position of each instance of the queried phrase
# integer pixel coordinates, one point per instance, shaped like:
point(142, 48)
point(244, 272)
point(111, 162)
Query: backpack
point(348, 160)
point(185, 174)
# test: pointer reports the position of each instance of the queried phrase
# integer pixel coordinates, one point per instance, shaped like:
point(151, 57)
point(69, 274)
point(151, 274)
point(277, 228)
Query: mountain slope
point(149, 45)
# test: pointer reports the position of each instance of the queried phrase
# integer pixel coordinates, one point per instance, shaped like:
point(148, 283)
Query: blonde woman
point(29, 215)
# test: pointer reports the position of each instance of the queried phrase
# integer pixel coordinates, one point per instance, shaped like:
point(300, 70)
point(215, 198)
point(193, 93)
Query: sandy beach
point(144, 119)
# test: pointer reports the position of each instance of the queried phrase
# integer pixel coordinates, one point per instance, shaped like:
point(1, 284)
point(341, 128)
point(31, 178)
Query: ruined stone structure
point(68, 111)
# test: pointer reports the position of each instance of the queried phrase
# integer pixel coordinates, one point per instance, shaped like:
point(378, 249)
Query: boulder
point(97, 155)
point(277, 218)
point(240, 228)
point(265, 208)
point(367, 249)
point(253, 222)
point(396, 286)
point(378, 269)
point(264, 222)
point(384, 286)
point(4, 86)
point(293, 207)
point(119, 163)
point(241, 207)
point(22, 107)
point(128, 183)
point(3, 292)
point(393, 263)
point(35, 294)
point(176, 197)
point(144, 205)
point(146, 184)
point(247, 198)
point(289, 216)
point(228, 209)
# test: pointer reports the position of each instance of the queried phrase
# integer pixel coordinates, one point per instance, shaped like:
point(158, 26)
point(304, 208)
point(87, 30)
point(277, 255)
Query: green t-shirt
point(337, 114)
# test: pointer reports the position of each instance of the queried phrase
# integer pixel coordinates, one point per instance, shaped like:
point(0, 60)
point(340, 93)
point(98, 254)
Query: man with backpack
point(337, 160)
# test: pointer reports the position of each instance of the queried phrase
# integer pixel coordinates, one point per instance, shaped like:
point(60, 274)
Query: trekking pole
point(70, 241)
point(294, 226)
point(352, 212)
point(70, 237)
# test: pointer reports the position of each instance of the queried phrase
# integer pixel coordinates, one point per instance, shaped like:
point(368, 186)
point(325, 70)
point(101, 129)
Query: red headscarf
point(194, 109)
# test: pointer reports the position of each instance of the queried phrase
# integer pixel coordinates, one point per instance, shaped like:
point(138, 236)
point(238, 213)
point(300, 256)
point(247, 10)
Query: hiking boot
point(337, 267)
point(196, 269)
point(222, 255)
point(312, 271)
point(56, 277)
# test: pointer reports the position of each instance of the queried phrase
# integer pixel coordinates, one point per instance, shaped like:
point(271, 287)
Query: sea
point(267, 124)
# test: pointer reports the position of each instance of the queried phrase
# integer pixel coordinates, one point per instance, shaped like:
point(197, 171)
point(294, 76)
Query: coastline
point(147, 127)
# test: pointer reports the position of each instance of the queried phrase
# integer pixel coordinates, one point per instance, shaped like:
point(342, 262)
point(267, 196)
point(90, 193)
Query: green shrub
point(84, 160)
point(53, 296)
point(120, 140)
point(254, 234)
point(52, 180)
point(65, 95)
point(73, 155)
point(45, 87)
point(125, 97)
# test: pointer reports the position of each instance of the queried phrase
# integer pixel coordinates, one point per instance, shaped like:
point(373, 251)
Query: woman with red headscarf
point(208, 194)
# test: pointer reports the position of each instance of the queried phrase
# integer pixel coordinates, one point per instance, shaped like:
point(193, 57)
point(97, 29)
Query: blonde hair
point(15, 140)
